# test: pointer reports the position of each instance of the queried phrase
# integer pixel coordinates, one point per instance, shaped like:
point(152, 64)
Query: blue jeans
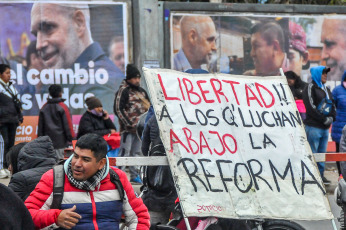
point(318, 140)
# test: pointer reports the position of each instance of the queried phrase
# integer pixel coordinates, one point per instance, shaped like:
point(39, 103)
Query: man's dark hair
point(30, 50)
point(3, 68)
point(55, 90)
point(95, 143)
point(291, 75)
point(270, 31)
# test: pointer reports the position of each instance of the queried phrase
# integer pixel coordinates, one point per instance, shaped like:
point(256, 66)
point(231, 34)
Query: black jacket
point(151, 134)
point(156, 200)
point(90, 123)
point(8, 111)
point(34, 159)
point(312, 97)
point(55, 121)
point(13, 213)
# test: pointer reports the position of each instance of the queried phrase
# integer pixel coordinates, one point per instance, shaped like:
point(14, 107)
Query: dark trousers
point(338, 162)
point(8, 132)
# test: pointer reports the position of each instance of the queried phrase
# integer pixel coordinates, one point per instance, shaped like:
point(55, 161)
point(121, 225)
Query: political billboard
point(236, 146)
point(258, 44)
point(82, 46)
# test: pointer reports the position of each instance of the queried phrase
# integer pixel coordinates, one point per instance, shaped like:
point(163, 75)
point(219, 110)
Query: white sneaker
point(3, 174)
point(8, 172)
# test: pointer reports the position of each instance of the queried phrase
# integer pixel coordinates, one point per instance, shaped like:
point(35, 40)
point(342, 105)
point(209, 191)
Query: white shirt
point(8, 86)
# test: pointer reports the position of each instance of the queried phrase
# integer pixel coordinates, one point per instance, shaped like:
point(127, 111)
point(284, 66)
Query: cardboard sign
point(236, 146)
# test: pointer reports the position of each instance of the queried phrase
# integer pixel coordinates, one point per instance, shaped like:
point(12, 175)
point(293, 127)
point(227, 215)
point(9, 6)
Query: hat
point(326, 70)
point(93, 102)
point(132, 72)
point(297, 37)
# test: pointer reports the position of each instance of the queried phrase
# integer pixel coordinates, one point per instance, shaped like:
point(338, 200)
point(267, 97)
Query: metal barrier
point(326, 157)
point(138, 161)
point(141, 161)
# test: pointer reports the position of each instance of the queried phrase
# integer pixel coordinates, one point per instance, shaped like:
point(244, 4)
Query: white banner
point(236, 146)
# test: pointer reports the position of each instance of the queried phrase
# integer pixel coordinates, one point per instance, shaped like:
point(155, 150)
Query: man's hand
point(328, 121)
point(68, 218)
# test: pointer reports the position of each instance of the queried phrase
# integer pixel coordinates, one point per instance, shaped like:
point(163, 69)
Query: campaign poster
point(258, 44)
point(82, 46)
point(236, 146)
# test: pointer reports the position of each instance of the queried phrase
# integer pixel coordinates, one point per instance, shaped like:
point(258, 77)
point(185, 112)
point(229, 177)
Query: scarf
point(89, 184)
point(93, 111)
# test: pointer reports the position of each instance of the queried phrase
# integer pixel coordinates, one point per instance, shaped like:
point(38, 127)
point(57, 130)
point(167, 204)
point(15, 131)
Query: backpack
point(158, 178)
point(325, 106)
point(59, 181)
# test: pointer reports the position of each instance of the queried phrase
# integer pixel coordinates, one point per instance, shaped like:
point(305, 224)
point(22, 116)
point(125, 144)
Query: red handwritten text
point(209, 208)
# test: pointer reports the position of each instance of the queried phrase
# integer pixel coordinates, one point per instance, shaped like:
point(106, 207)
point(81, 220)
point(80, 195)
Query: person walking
point(342, 148)
point(320, 113)
point(159, 194)
point(339, 95)
point(10, 112)
point(131, 101)
point(55, 121)
point(297, 86)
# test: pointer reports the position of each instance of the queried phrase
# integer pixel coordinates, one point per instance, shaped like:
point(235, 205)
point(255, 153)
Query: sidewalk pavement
point(331, 173)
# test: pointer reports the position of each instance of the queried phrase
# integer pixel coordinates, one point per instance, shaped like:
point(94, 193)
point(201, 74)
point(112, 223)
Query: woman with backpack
point(160, 194)
point(10, 114)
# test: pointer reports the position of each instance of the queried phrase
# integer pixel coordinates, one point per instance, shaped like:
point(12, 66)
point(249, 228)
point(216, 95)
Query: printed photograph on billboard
point(81, 46)
point(258, 45)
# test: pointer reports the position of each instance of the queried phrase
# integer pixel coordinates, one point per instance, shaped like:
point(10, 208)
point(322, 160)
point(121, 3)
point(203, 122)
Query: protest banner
point(236, 146)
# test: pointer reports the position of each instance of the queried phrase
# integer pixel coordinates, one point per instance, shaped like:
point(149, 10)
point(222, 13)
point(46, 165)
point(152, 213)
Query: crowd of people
point(30, 164)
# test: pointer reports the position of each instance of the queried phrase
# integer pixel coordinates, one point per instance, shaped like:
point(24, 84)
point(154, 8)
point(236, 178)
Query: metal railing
point(162, 160)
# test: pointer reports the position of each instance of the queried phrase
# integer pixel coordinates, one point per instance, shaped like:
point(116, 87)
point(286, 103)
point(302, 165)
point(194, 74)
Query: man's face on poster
point(36, 62)
point(56, 35)
point(333, 37)
point(205, 44)
point(296, 61)
point(262, 54)
point(117, 55)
